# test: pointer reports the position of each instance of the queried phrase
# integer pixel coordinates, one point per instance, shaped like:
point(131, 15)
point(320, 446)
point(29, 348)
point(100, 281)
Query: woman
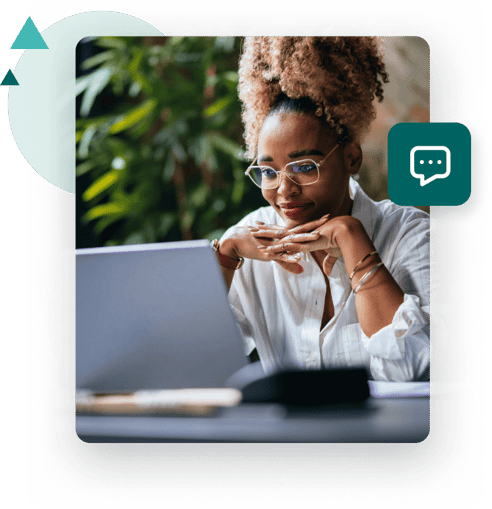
point(330, 277)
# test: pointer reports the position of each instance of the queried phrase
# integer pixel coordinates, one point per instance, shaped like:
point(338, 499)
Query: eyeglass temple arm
point(252, 164)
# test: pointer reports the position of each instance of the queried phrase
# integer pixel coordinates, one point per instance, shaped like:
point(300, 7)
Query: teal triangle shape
point(29, 37)
point(9, 79)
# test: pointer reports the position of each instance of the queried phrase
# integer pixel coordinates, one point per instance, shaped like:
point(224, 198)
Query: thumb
point(328, 263)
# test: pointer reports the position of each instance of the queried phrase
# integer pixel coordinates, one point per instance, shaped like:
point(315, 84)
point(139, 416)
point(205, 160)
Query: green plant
point(164, 161)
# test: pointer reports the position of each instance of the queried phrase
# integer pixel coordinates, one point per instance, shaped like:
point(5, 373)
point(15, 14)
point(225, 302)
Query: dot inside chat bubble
point(428, 163)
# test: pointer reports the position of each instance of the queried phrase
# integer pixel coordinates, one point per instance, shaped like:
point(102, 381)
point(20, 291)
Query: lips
point(294, 209)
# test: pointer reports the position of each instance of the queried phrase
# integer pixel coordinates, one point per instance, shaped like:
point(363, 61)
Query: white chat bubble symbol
point(430, 160)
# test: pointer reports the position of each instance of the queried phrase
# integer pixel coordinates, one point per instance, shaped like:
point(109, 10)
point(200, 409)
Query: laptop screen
point(153, 316)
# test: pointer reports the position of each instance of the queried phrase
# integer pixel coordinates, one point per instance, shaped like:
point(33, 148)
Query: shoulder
point(402, 215)
point(402, 231)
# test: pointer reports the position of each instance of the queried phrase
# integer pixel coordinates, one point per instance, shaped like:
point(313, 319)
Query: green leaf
point(224, 43)
point(133, 116)
point(112, 42)
point(100, 185)
point(84, 167)
point(231, 76)
point(85, 141)
point(104, 210)
point(188, 218)
point(81, 84)
point(225, 145)
point(106, 221)
point(135, 61)
point(135, 238)
point(217, 106)
point(97, 59)
point(199, 195)
point(167, 221)
point(134, 89)
point(168, 171)
point(237, 191)
point(98, 81)
point(178, 151)
point(219, 205)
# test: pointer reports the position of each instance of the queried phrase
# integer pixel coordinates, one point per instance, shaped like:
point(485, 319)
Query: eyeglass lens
point(300, 172)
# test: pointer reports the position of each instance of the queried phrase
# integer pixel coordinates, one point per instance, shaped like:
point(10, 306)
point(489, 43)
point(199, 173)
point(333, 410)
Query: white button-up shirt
point(280, 313)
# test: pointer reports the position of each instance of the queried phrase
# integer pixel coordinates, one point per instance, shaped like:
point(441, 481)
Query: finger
point(307, 227)
point(269, 234)
point(284, 256)
point(263, 226)
point(328, 264)
point(287, 246)
point(301, 237)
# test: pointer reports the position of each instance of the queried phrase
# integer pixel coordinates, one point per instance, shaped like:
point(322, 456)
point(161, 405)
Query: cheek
point(269, 195)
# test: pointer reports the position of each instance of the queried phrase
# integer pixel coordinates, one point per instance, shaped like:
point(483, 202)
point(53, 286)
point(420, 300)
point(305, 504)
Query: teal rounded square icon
point(429, 164)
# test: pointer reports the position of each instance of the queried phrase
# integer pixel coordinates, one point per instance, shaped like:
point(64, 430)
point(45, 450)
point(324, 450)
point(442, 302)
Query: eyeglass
point(302, 173)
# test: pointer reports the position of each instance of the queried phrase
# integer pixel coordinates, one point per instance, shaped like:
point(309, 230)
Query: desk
point(394, 419)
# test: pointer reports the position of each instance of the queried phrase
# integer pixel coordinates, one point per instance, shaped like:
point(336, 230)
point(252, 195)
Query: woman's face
point(288, 137)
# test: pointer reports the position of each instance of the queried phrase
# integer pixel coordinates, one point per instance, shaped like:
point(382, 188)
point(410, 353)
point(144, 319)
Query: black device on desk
point(314, 387)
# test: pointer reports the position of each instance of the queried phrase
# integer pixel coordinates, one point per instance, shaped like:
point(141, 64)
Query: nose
point(286, 186)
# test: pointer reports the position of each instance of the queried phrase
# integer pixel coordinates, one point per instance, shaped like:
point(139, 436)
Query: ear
point(352, 157)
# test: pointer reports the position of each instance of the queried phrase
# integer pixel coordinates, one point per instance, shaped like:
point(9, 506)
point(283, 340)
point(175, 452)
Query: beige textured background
point(406, 99)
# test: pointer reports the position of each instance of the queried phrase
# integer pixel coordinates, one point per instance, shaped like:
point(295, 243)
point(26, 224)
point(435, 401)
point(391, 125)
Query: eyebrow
point(295, 154)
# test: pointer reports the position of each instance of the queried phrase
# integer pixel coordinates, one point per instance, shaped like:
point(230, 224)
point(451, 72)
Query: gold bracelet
point(366, 275)
point(362, 261)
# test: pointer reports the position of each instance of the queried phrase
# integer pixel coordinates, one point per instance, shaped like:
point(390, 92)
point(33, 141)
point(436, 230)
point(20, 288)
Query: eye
point(268, 173)
point(303, 167)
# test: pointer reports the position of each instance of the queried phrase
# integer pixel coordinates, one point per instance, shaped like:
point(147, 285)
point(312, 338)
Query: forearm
point(379, 297)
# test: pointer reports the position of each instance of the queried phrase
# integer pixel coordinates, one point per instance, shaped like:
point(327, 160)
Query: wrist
point(229, 261)
point(227, 247)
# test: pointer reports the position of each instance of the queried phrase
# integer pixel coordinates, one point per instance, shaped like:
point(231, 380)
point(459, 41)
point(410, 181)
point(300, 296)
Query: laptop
point(153, 316)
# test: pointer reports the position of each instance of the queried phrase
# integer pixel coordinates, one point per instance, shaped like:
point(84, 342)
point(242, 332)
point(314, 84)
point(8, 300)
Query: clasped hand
point(285, 246)
point(317, 237)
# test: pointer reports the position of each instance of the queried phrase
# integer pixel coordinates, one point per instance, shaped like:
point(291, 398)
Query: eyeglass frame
point(318, 165)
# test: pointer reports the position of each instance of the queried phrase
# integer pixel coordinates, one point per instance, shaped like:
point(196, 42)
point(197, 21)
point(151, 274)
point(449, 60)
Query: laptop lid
point(153, 316)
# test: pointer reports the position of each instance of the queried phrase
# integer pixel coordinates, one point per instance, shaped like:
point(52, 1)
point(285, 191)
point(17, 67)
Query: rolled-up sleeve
point(401, 350)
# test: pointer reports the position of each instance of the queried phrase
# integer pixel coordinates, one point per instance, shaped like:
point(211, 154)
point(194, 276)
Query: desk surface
point(396, 419)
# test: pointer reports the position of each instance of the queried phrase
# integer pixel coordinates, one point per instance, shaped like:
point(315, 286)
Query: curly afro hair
point(339, 76)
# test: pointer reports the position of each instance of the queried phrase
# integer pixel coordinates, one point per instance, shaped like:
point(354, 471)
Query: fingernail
point(262, 247)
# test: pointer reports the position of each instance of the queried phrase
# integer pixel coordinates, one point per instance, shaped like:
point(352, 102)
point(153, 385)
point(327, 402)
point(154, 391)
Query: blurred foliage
point(159, 140)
